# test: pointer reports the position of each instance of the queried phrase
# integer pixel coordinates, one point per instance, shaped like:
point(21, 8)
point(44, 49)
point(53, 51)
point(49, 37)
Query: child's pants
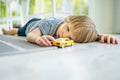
point(21, 30)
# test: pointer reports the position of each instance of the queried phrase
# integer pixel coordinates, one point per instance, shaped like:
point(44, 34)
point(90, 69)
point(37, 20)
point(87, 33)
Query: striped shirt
point(47, 26)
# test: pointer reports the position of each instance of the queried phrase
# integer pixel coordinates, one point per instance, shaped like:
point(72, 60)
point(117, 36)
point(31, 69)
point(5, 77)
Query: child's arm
point(36, 37)
point(107, 39)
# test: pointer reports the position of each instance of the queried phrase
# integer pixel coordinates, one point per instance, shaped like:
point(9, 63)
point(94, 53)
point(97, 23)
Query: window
point(2, 9)
point(75, 7)
point(72, 7)
point(14, 11)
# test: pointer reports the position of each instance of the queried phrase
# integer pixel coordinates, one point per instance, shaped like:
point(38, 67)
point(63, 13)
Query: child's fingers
point(116, 41)
point(102, 39)
point(46, 40)
point(108, 39)
point(40, 41)
point(50, 38)
point(43, 43)
point(113, 41)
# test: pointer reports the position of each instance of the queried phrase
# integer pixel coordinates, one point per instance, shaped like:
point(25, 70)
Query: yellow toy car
point(62, 42)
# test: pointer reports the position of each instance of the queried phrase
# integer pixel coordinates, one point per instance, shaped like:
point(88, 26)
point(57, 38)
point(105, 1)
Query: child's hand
point(44, 40)
point(107, 39)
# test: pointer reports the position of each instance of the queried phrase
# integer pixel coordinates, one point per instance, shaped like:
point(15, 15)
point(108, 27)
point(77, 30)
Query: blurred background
point(105, 13)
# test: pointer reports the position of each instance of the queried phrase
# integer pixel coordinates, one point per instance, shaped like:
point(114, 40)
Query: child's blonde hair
point(83, 28)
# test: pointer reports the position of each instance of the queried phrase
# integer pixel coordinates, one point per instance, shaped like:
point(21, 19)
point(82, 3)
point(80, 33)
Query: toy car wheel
point(72, 44)
point(62, 46)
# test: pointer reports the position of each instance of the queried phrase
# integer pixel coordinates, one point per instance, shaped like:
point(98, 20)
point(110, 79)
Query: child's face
point(65, 31)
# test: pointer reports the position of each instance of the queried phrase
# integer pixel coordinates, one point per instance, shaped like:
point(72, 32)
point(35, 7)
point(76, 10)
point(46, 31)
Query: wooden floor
point(20, 60)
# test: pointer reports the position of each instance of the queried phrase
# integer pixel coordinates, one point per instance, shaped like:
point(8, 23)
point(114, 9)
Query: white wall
point(102, 13)
point(116, 16)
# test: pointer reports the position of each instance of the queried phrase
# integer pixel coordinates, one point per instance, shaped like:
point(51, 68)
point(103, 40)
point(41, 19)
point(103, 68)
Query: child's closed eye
point(70, 38)
point(68, 28)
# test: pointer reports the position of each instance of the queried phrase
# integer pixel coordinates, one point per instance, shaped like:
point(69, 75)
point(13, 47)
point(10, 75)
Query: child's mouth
point(58, 35)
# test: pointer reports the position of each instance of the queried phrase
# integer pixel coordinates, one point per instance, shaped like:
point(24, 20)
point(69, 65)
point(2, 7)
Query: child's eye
point(67, 28)
point(70, 38)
